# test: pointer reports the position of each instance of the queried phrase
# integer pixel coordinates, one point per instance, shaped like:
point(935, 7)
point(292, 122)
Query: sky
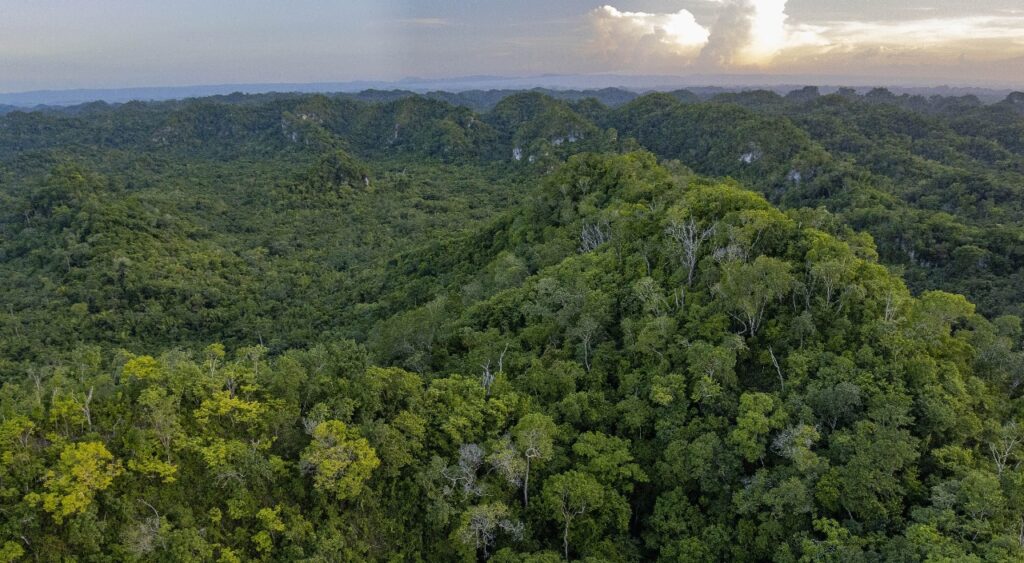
point(60, 44)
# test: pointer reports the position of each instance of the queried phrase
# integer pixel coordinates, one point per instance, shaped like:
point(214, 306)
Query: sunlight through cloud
point(761, 34)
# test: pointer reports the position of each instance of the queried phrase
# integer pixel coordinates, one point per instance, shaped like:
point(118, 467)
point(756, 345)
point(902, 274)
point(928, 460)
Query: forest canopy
point(333, 328)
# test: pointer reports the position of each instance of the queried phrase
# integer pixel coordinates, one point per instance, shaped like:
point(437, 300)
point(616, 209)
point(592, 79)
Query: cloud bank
point(638, 37)
point(760, 35)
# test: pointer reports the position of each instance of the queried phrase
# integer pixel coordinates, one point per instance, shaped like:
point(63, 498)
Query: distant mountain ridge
point(712, 84)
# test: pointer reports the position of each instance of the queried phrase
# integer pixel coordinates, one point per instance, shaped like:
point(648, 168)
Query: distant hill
point(936, 180)
point(705, 85)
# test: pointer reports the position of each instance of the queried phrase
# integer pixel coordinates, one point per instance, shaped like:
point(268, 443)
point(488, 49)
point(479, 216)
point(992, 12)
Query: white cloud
point(753, 32)
point(767, 30)
point(932, 31)
point(771, 33)
point(760, 34)
point(634, 36)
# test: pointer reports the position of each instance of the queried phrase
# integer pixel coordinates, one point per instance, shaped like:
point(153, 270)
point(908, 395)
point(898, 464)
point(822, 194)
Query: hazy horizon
point(60, 45)
point(638, 84)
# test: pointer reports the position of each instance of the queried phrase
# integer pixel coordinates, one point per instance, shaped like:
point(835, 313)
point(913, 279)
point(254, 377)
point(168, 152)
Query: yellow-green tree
point(83, 470)
point(339, 459)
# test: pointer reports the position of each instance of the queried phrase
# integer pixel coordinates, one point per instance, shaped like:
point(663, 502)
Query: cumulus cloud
point(745, 32)
point(639, 36)
point(751, 32)
point(760, 34)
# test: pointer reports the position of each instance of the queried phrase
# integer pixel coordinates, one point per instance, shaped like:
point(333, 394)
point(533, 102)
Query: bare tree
point(309, 423)
point(690, 237)
point(482, 524)
point(587, 331)
point(833, 275)
point(533, 444)
point(145, 537)
point(487, 377)
point(1004, 446)
point(36, 375)
point(531, 441)
point(593, 236)
point(778, 369)
point(891, 306)
point(84, 406)
point(570, 510)
point(464, 474)
point(508, 462)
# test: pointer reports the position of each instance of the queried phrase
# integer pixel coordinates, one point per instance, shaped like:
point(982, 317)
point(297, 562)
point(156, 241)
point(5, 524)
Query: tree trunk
point(526, 485)
point(565, 539)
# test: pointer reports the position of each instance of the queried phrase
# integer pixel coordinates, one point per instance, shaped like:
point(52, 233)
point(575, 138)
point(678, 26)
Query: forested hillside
point(321, 328)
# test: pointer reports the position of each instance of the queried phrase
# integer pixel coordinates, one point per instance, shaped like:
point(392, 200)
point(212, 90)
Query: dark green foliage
point(936, 181)
point(312, 328)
